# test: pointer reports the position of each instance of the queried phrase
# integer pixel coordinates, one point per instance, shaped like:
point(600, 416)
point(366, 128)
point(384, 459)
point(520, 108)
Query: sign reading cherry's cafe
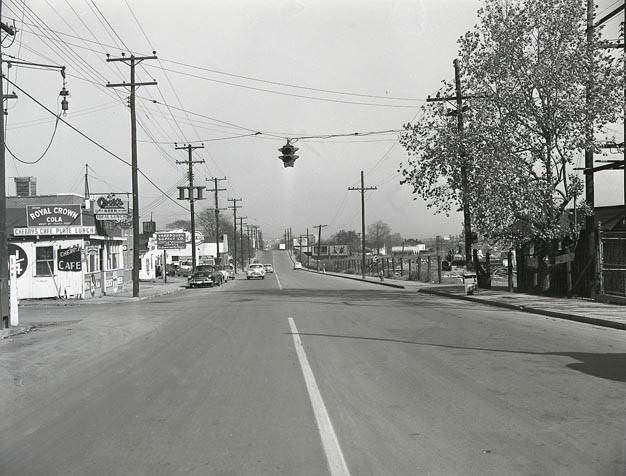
point(62, 250)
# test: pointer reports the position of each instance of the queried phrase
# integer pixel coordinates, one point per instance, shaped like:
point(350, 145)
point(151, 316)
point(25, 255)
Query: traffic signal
point(288, 156)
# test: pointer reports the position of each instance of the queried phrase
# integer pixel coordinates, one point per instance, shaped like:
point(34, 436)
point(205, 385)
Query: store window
point(93, 262)
point(44, 258)
point(114, 257)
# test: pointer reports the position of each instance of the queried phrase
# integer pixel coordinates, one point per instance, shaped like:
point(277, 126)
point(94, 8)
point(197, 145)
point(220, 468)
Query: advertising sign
point(338, 250)
point(171, 241)
point(111, 208)
point(53, 215)
point(69, 259)
point(55, 230)
point(21, 259)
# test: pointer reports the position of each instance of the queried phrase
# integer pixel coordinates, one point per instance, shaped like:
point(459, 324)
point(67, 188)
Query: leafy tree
point(184, 224)
point(537, 85)
point(350, 238)
point(378, 234)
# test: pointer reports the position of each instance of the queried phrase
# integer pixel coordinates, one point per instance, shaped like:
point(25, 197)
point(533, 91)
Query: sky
point(217, 72)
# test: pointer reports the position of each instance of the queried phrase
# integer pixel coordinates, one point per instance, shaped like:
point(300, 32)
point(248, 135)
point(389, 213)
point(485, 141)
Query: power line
point(252, 78)
point(94, 142)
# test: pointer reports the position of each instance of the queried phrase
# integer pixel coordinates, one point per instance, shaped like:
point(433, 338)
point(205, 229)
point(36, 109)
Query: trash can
point(469, 280)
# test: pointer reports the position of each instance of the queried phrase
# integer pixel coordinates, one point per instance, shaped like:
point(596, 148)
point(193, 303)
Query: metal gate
point(613, 264)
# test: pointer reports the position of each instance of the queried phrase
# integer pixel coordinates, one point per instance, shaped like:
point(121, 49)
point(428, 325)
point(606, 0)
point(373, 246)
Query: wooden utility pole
point(217, 209)
point(4, 243)
point(192, 198)
point(467, 217)
point(133, 61)
point(362, 189)
point(319, 243)
point(235, 208)
point(590, 224)
point(241, 219)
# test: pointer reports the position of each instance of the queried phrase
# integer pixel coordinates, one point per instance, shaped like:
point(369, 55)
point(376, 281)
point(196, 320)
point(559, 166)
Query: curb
point(100, 301)
point(379, 283)
point(531, 310)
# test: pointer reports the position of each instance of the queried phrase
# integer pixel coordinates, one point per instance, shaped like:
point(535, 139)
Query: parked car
point(297, 265)
point(230, 269)
point(227, 273)
point(255, 270)
point(205, 275)
point(184, 268)
point(268, 268)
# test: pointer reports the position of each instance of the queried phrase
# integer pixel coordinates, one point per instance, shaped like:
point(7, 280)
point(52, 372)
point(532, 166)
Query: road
point(386, 382)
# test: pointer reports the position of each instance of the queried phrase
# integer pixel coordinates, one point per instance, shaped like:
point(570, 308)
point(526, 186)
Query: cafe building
point(63, 251)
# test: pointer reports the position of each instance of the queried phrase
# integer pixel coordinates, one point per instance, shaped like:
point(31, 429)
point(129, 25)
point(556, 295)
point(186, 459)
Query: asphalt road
point(386, 382)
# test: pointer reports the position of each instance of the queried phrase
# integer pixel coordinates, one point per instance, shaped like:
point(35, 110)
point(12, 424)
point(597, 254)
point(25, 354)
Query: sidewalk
point(147, 290)
point(394, 283)
point(581, 310)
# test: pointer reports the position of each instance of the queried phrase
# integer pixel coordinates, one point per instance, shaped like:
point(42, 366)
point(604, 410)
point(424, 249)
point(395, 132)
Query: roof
point(58, 199)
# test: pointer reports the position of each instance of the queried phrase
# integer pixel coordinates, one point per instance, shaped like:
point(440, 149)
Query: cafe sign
point(54, 230)
point(69, 259)
point(53, 215)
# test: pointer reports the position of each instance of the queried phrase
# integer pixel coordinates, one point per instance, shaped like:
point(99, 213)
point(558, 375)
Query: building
point(153, 258)
point(62, 250)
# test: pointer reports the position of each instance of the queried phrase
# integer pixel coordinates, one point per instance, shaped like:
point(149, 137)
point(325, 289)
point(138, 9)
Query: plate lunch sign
point(171, 241)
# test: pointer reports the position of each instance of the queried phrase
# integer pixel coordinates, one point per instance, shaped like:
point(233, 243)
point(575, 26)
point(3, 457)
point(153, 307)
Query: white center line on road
point(280, 286)
point(336, 462)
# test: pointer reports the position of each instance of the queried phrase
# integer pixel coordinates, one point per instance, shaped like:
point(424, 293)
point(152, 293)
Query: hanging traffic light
point(288, 156)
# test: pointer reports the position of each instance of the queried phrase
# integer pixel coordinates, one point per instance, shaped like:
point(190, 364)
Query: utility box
point(469, 281)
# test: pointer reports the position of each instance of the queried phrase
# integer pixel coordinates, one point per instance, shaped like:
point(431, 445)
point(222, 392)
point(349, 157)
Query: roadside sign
point(53, 215)
point(171, 241)
point(111, 208)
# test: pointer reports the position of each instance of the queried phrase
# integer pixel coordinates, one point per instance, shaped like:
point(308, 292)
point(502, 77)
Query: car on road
point(205, 275)
point(255, 270)
point(268, 268)
point(297, 265)
point(227, 271)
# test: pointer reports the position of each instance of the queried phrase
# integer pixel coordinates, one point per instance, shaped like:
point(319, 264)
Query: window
point(93, 262)
point(44, 258)
point(114, 257)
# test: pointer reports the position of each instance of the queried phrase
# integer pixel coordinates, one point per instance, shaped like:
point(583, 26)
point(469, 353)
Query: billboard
point(171, 241)
point(111, 207)
point(53, 215)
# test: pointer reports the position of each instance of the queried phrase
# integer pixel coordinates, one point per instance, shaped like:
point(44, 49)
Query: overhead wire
point(96, 143)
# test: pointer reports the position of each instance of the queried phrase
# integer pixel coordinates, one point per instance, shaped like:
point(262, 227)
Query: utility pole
point(319, 242)
point(590, 221)
point(133, 61)
point(4, 244)
point(362, 189)
point(235, 208)
point(241, 219)
point(248, 227)
point(467, 218)
point(181, 191)
point(217, 209)
point(87, 182)
point(308, 251)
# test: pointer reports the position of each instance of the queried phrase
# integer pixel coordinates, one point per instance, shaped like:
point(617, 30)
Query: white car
point(297, 265)
point(255, 270)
